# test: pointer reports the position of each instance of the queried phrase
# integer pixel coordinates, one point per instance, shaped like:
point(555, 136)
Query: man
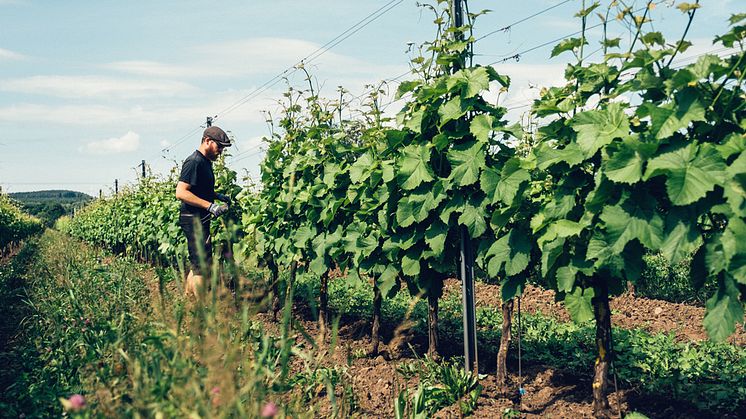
point(196, 191)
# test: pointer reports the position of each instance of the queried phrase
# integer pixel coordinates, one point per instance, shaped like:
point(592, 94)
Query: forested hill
point(50, 205)
point(55, 196)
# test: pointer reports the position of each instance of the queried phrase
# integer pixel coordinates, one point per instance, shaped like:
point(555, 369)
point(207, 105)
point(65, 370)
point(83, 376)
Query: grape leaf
point(414, 167)
point(669, 118)
point(724, 310)
point(481, 126)
point(691, 172)
point(624, 166)
point(511, 178)
point(410, 263)
point(361, 169)
point(467, 160)
point(643, 224)
point(547, 156)
point(598, 128)
point(435, 236)
point(474, 218)
point(388, 281)
point(510, 251)
point(578, 303)
point(453, 109)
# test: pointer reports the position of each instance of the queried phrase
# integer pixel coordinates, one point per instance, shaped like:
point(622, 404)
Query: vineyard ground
point(628, 312)
point(550, 391)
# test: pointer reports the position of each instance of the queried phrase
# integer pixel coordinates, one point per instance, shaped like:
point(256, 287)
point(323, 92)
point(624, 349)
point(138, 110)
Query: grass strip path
point(120, 333)
point(15, 353)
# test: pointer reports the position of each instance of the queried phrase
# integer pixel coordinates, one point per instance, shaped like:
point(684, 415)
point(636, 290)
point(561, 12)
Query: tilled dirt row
point(549, 392)
point(628, 311)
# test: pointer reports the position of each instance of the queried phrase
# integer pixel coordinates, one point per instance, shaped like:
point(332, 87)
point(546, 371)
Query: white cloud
point(157, 69)
point(6, 54)
point(95, 87)
point(173, 113)
point(526, 81)
point(256, 56)
point(127, 143)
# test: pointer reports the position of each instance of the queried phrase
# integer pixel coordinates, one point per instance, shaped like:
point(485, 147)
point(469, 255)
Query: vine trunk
point(323, 304)
point(375, 330)
point(502, 353)
point(602, 313)
point(432, 324)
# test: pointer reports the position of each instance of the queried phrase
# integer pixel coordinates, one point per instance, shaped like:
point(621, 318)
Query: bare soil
point(628, 311)
point(550, 392)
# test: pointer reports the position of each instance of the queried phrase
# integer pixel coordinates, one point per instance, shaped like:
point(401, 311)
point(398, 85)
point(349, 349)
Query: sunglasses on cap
point(220, 146)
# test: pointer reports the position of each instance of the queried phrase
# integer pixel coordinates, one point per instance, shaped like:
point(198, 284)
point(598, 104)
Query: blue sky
point(88, 89)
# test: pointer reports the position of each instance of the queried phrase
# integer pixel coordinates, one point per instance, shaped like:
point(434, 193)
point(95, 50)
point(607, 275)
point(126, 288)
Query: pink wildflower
point(269, 410)
point(75, 403)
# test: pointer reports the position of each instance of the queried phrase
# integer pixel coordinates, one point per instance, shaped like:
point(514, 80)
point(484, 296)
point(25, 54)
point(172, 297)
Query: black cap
point(218, 135)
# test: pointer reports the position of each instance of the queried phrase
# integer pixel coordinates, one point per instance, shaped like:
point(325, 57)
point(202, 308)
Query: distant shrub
point(15, 225)
point(663, 281)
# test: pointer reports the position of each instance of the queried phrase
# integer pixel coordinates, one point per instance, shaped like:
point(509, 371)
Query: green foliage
point(661, 176)
point(48, 206)
point(143, 220)
point(48, 212)
point(440, 385)
point(15, 225)
point(663, 280)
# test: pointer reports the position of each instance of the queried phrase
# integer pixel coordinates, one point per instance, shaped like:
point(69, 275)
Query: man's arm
point(185, 195)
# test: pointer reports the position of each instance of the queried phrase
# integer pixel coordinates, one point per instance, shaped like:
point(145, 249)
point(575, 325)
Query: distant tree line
point(50, 205)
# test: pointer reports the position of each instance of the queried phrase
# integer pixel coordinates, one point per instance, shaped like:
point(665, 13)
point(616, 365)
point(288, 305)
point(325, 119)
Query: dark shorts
point(195, 229)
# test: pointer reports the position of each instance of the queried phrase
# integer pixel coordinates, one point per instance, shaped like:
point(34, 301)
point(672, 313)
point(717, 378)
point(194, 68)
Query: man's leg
point(202, 259)
point(194, 281)
point(196, 284)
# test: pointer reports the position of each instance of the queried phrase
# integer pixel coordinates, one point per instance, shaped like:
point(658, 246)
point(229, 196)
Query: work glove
point(217, 210)
point(224, 198)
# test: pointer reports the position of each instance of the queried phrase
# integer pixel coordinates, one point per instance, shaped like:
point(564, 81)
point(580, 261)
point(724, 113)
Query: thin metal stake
point(521, 390)
point(471, 363)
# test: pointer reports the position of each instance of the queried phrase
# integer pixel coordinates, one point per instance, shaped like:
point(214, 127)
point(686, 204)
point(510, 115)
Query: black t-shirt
point(197, 172)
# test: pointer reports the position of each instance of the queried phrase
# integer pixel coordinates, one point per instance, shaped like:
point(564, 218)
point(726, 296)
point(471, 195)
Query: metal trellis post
point(471, 362)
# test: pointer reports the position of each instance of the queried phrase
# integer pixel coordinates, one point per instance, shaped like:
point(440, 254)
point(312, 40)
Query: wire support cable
point(314, 55)
point(517, 56)
point(370, 18)
point(518, 22)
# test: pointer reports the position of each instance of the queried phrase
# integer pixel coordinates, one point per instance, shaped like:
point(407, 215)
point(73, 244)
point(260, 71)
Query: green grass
point(98, 326)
